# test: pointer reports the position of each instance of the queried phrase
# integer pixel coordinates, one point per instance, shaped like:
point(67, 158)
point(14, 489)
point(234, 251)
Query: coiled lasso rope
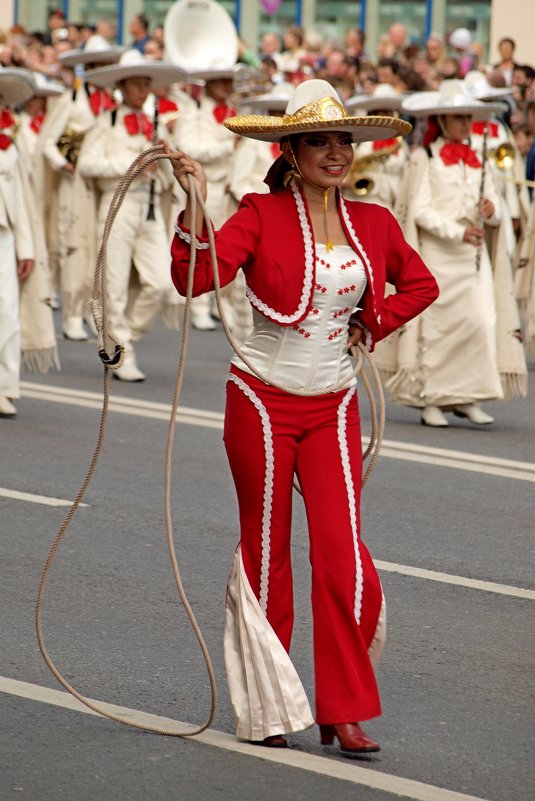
point(111, 353)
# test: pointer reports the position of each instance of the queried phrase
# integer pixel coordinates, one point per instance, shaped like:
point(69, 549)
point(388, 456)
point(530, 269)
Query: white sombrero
point(276, 100)
point(214, 73)
point(16, 85)
point(480, 88)
point(452, 97)
point(45, 87)
point(133, 65)
point(96, 51)
point(315, 106)
point(383, 97)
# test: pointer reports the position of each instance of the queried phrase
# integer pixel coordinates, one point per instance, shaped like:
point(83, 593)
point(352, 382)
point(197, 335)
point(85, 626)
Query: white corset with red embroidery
point(312, 354)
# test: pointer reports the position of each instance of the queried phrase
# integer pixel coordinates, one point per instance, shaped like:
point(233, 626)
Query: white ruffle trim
point(265, 691)
point(309, 272)
point(187, 238)
point(268, 486)
point(346, 466)
point(353, 234)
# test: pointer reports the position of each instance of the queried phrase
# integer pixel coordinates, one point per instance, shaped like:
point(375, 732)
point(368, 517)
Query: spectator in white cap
point(460, 41)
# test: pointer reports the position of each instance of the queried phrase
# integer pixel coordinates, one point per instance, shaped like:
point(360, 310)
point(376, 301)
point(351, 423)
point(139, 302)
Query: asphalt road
point(456, 675)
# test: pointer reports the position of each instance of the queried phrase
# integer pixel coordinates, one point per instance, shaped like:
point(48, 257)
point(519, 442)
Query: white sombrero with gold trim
point(315, 106)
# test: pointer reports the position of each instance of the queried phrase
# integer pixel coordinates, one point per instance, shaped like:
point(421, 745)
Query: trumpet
point(69, 144)
point(503, 156)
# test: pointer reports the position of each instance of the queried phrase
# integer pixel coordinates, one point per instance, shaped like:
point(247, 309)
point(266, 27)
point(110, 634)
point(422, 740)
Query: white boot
point(474, 413)
point(433, 416)
point(6, 408)
point(129, 371)
point(73, 328)
point(202, 321)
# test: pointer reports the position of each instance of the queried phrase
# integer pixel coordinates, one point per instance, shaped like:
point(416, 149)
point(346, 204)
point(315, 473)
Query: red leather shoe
point(275, 741)
point(352, 739)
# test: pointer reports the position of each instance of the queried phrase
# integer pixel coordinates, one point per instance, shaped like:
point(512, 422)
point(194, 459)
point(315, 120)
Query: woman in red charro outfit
point(314, 264)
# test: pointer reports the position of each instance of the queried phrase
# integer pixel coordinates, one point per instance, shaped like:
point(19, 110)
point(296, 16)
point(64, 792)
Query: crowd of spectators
point(298, 54)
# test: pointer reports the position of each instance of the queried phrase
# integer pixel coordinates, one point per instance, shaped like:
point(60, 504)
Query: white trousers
point(9, 317)
point(134, 300)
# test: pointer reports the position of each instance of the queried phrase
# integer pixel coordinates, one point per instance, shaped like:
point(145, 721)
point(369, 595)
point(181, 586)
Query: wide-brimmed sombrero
point(480, 88)
point(96, 51)
point(384, 98)
point(315, 106)
point(452, 97)
point(276, 100)
point(16, 85)
point(45, 87)
point(133, 65)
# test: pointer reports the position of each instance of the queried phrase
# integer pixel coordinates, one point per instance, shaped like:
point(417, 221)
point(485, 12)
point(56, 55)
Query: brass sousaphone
point(199, 35)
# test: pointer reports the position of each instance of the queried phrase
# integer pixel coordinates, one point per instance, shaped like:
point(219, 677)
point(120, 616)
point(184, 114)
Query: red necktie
point(165, 105)
point(479, 128)
point(6, 120)
point(99, 100)
point(275, 150)
point(223, 112)
point(138, 123)
point(5, 141)
point(36, 122)
point(454, 152)
point(380, 144)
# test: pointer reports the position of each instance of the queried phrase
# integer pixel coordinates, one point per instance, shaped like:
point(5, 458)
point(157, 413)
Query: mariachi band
point(328, 224)
point(64, 150)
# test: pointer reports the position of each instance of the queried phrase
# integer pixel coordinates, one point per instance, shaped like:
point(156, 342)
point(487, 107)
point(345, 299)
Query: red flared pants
point(269, 436)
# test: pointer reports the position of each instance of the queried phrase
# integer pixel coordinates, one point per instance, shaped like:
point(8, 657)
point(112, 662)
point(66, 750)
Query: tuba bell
point(200, 35)
point(360, 184)
point(358, 180)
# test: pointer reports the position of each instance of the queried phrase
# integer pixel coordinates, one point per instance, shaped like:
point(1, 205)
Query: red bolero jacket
point(270, 237)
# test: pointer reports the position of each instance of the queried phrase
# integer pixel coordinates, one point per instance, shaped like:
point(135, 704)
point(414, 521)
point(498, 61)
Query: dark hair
point(389, 62)
point(143, 20)
point(507, 39)
point(522, 127)
point(528, 70)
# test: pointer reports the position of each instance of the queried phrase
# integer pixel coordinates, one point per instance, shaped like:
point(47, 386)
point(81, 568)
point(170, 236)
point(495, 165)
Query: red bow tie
point(138, 124)
point(6, 120)
point(99, 100)
point(380, 144)
point(5, 141)
point(165, 105)
point(479, 128)
point(454, 152)
point(36, 122)
point(223, 112)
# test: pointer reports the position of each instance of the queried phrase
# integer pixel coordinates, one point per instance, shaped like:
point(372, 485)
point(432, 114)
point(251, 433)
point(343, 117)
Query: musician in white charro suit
point(137, 236)
point(65, 202)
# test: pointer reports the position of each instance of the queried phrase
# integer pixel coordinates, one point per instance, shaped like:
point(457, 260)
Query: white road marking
point(459, 581)
point(335, 769)
point(392, 449)
point(45, 500)
point(397, 450)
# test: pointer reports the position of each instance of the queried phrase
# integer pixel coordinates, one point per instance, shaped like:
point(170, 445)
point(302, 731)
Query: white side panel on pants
point(266, 693)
